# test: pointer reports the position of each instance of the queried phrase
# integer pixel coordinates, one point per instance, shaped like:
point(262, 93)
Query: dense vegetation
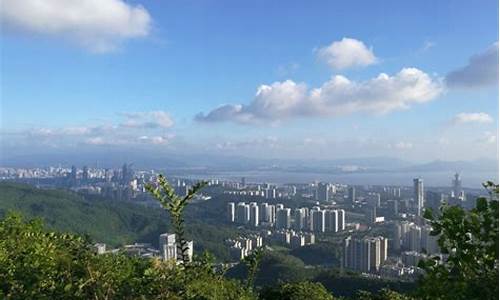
point(112, 222)
point(39, 263)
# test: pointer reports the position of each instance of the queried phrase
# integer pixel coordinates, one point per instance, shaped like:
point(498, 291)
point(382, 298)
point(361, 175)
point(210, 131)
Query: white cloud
point(482, 70)
point(138, 128)
point(155, 140)
point(401, 146)
point(337, 96)
point(480, 117)
point(488, 137)
point(267, 142)
point(347, 53)
point(96, 25)
point(150, 119)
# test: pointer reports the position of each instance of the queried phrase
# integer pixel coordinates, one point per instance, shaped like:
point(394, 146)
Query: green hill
point(112, 222)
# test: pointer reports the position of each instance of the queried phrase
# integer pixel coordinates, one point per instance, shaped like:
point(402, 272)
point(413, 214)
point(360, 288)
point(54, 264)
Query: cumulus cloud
point(150, 119)
point(465, 118)
point(96, 25)
point(482, 70)
point(337, 96)
point(347, 53)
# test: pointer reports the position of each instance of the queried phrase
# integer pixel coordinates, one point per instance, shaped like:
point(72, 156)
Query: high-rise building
point(429, 242)
point(297, 240)
point(283, 218)
point(271, 214)
point(373, 199)
point(85, 174)
point(299, 219)
point(370, 214)
point(434, 200)
point(73, 175)
point(318, 219)
point(341, 219)
point(168, 246)
point(396, 237)
point(366, 254)
point(263, 212)
point(418, 187)
point(413, 237)
point(331, 223)
point(254, 214)
point(230, 211)
point(351, 195)
point(242, 213)
point(270, 193)
point(322, 192)
point(456, 184)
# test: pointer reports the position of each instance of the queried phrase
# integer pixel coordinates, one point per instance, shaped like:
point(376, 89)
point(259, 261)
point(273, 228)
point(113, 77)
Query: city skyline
point(329, 81)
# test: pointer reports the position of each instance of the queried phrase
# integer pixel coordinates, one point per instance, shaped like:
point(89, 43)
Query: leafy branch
point(175, 205)
point(252, 262)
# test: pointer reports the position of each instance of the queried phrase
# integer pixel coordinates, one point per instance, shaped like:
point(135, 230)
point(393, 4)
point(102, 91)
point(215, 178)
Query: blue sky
point(136, 74)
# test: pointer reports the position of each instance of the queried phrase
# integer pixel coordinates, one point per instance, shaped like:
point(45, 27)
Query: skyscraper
point(254, 214)
point(263, 212)
point(351, 197)
point(299, 218)
point(331, 223)
point(242, 213)
point(283, 218)
point(370, 214)
point(230, 211)
point(366, 254)
point(322, 192)
point(418, 187)
point(318, 219)
point(85, 174)
point(73, 176)
point(341, 219)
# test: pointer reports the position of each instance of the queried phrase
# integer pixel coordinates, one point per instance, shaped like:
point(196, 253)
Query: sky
point(263, 79)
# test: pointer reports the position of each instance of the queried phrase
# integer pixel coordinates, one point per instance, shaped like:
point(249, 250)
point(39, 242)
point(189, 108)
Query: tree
point(296, 291)
point(469, 240)
point(175, 205)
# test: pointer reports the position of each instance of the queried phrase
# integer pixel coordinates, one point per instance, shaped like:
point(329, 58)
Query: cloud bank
point(96, 25)
point(346, 53)
point(337, 96)
point(465, 118)
point(481, 71)
point(136, 128)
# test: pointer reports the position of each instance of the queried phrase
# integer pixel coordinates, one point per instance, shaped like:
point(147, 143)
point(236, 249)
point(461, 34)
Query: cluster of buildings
point(365, 254)
point(292, 238)
point(169, 249)
point(408, 236)
point(243, 246)
point(278, 216)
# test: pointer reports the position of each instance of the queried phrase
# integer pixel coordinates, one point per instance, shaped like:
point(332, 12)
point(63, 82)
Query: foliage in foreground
point(39, 264)
point(470, 241)
point(296, 291)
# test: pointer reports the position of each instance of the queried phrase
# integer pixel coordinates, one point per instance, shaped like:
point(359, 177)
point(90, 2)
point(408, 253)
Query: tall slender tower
point(418, 186)
point(457, 186)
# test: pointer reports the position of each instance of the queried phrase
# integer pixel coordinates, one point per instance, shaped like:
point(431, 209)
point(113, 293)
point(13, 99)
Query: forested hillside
point(112, 222)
